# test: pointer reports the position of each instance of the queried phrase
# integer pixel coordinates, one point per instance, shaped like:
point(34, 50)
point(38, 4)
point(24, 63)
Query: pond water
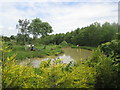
point(70, 54)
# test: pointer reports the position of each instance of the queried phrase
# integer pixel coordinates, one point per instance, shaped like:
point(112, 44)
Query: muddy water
point(70, 54)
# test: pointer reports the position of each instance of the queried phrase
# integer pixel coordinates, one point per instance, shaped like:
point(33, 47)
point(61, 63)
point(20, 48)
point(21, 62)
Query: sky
point(63, 15)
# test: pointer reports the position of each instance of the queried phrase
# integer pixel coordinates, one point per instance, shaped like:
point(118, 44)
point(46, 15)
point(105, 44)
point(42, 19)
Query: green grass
point(88, 48)
point(84, 47)
point(40, 52)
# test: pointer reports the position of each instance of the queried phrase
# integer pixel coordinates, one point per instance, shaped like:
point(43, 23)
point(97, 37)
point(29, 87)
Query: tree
point(23, 29)
point(5, 38)
point(92, 35)
point(12, 37)
point(37, 28)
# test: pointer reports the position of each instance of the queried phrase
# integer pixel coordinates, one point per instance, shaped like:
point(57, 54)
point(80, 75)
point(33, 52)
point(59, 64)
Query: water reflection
point(77, 54)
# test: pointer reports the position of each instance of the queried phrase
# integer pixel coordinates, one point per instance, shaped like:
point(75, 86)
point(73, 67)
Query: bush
point(106, 70)
point(48, 75)
point(64, 43)
point(112, 47)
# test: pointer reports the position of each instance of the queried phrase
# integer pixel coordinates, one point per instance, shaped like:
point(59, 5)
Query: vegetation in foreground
point(48, 75)
point(100, 71)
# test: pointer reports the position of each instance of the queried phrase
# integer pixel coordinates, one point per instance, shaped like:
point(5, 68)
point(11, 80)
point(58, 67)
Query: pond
point(70, 54)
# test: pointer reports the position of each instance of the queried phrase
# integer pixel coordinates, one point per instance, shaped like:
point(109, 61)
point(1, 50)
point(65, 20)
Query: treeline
point(92, 35)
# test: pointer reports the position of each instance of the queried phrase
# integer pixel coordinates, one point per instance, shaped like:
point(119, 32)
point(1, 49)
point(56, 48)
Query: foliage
point(12, 37)
point(101, 71)
point(5, 38)
point(112, 47)
point(64, 43)
point(37, 27)
point(23, 26)
point(92, 35)
point(48, 75)
point(23, 39)
point(23, 29)
point(106, 71)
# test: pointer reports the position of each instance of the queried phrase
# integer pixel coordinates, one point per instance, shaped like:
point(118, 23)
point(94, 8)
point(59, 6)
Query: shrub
point(48, 75)
point(106, 70)
point(112, 47)
point(64, 43)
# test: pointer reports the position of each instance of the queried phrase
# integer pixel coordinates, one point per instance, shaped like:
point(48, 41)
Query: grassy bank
point(84, 47)
point(40, 51)
point(88, 48)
